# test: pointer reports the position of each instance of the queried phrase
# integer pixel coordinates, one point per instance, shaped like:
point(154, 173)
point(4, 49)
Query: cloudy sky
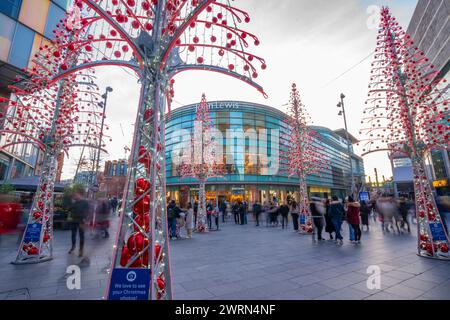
point(308, 42)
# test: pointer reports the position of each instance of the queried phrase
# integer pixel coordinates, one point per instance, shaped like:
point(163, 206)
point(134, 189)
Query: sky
point(311, 43)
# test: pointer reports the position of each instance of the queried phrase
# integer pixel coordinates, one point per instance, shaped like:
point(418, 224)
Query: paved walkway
point(245, 262)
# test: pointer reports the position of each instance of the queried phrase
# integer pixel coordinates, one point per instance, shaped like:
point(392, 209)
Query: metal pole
point(348, 144)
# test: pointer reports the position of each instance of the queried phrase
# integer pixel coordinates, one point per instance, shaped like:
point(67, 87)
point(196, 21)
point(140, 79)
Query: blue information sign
point(364, 196)
point(437, 232)
point(33, 233)
point(129, 284)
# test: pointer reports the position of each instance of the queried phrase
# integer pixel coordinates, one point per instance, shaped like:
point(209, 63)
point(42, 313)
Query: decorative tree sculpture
point(303, 155)
point(157, 39)
point(407, 112)
point(53, 118)
point(203, 161)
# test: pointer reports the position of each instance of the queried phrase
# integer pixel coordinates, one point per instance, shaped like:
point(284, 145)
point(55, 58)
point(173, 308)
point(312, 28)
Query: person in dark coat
point(79, 212)
point(365, 212)
point(353, 217)
point(329, 226)
point(284, 211)
point(235, 210)
point(257, 209)
point(317, 217)
point(336, 213)
point(295, 212)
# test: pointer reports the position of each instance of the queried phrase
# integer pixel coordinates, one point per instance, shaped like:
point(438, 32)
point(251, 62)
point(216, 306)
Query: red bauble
point(444, 248)
point(161, 283)
point(46, 237)
point(143, 222)
point(37, 215)
point(423, 237)
point(137, 263)
point(142, 206)
point(148, 114)
point(125, 257)
point(141, 186)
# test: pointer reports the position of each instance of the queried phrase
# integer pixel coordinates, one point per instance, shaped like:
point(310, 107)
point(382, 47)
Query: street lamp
point(342, 113)
point(101, 104)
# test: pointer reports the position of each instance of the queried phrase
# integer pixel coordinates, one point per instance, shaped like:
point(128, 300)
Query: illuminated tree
point(204, 160)
point(302, 154)
point(157, 39)
point(407, 112)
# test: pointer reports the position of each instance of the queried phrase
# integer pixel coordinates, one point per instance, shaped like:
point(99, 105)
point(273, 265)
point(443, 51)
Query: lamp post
point(97, 158)
point(342, 113)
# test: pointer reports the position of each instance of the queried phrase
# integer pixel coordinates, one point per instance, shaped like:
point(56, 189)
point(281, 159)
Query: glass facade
point(251, 139)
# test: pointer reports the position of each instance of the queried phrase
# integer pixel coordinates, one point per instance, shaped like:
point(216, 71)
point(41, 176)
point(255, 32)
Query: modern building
point(25, 25)
point(430, 30)
point(253, 138)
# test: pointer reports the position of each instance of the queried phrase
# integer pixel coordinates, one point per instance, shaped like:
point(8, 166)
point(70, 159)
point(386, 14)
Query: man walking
point(78, 213)
point(257, 209)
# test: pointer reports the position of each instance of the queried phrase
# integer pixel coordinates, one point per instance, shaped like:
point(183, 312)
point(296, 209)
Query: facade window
point(10, 7)
point(4, 164)
point(63, 3)
point(55, 14)
point(21, 46)
point(34, 13)
point(7, 26)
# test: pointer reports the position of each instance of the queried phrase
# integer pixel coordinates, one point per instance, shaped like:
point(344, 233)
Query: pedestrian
point(365, 212)
point(189, 219)
point(404, 209)
point(103, 209)
point(209, 212)
point(245, 205)
point(223, 210)
point(329, 226)
point(216, 215)
point(235, 210)
point(351, 231)
point(195, 214)
point(284, 211)
point(353, 218)
point(113, 202)
point(294, 210)
point(257, 209)
point(173, 212)
point(241, 213)
point(79, 212)
point(336, 214)
point(316, 208)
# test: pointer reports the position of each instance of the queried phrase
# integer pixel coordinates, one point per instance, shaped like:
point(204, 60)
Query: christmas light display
point(204, 161)
point(408, 112)
point(302, 155)
point(52, 116)
point(157, 39)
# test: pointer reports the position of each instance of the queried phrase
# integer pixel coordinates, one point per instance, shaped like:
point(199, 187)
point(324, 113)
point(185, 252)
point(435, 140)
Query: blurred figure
point(195, 214)
point(336, 214)
point(209, 213)
point(257, 209)
point(365, 213)
point(79, 211)
point(189, 220)
point(404, 209)
point(295, 213)
point(113, 203)
point(353, 213)
point(284, 212)
point(329, 226)
point(216, 215)
point(317, 210)
point(273, 212)
point(387, 208)
point(235, 210)
point(102, 212)
point(172, 213)
point(245, 210)
point(181, 222)
point(223, 210)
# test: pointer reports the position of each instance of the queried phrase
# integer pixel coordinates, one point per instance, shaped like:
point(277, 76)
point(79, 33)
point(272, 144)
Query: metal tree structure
point(157, 39)
point(302, 155)
point(54, 118)
point(407, 112)
point(204, 160)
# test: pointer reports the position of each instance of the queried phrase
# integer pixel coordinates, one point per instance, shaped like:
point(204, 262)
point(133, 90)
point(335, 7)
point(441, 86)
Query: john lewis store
point(252, 138)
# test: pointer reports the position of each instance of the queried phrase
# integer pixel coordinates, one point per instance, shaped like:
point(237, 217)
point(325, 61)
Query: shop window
point(10, 7)
point(7, 27)
point(3, 168)
point(21, 46)
point(438, 164)
point(34, 13)
point(55, 14)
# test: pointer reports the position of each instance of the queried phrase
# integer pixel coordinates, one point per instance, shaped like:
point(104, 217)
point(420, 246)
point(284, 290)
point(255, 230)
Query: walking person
point(189, 220)
point(195, 214)
point(316, 208)
point(365, 212)
point(103, 210)
point(173, 212)
point(351, 231)
point(329, 226)
point(257, 209)
point(235, 210)
point(223, 210)
point(284, 211)
point(404, 209)
point(336, 214)
point(245, 206)
point(241, 213)
point(353, 218)
point(79, 212)
point(294, 209)
point(113, 202)
point(216, 215)
point(209, 212)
